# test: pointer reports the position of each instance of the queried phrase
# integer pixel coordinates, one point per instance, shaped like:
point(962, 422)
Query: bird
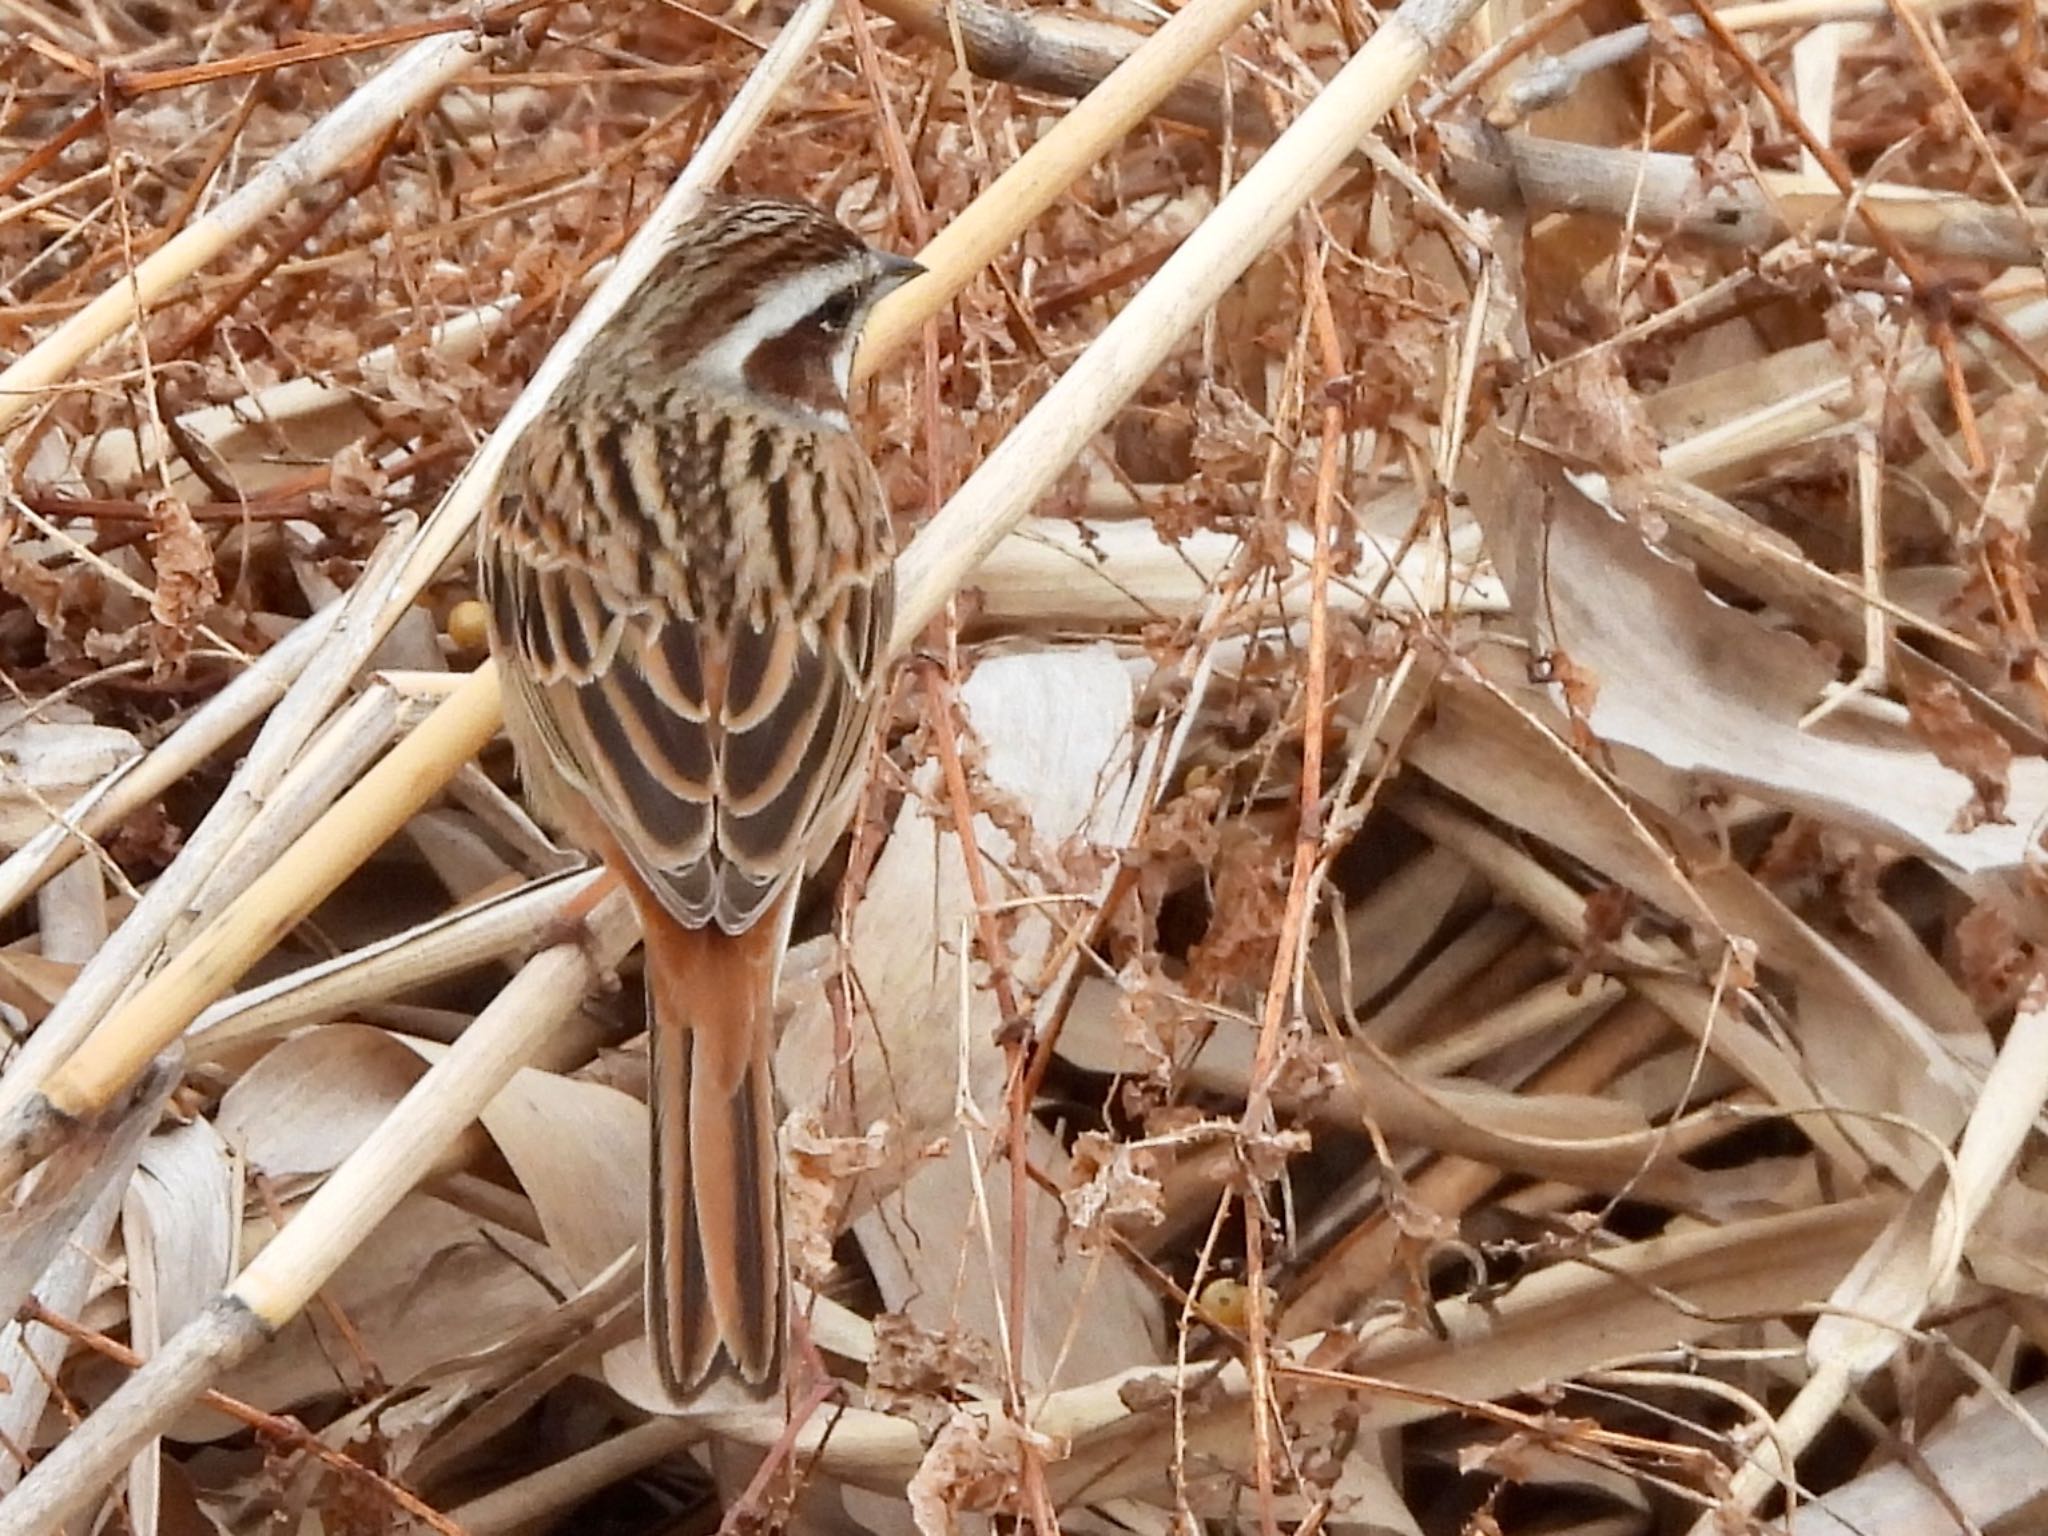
point(687, 567)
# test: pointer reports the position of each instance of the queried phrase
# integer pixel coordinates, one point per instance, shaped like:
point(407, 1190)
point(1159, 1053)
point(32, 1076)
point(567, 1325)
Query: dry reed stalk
point(139, 782)
point(1911, 1265)
point(232, 430)
point(338, 754)
point(1509, 172)
point(345, 645)
point(360, 823)
point(1104, 575)
point(63, 1288)
point(997, 495)
point(560, 1486)
point(446, 946)
point(368, 115)
point(1546, 82)
point(279, 1282)
point(1818, 410)
point(1190, 37)
point(1058, 55)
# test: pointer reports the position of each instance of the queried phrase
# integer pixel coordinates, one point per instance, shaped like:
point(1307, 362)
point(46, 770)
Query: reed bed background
point(1448, 932)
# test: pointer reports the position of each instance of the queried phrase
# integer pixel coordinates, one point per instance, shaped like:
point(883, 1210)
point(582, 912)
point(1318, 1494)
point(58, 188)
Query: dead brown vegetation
point(1447, 936)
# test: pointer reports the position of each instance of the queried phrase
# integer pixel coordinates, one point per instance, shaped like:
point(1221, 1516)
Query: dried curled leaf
point(819, 1174)
point(186, 583)
point(1943, 720)
point(1115, 1185)
point(1587, 410)
point(975, 1464)
point(923, 1372)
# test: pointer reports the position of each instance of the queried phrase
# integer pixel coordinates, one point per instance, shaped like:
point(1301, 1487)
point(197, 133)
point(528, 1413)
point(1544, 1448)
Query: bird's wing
point(710, 751)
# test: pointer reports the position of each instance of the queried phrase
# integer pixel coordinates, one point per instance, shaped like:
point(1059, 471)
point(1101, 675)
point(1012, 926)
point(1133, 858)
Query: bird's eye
point(836, 313)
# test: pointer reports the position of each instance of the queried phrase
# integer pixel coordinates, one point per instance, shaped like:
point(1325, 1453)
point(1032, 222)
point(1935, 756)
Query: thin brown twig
point(1307, 855)
point(49, 151)
point(278, 1429)
point(267, 508)
point(1914, 25)
point(352, 184)
point(960, 802)
point(1013, 1033)
point(313, 50)
point(216, 157)
point(749, 1510)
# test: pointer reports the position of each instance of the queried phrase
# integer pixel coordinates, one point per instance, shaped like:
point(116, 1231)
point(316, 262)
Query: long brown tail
point(715, 1282)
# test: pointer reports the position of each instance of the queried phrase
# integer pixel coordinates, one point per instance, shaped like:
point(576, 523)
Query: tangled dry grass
point(1447, 936)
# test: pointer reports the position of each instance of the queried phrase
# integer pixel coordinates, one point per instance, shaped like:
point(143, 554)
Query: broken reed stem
point(1043, 172)
point(1024, 466)
point(281, 1432)
point(281, 1279)
point(135, 784)
point(413, 78)
point(355, 827)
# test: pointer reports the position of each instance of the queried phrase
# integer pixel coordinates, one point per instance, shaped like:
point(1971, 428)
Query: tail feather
point(715, 1281)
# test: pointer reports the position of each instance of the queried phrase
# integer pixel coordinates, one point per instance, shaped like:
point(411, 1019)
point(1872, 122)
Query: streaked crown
point(763, 299)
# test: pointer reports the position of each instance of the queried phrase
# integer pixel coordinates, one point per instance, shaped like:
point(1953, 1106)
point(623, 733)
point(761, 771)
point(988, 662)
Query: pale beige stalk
point(999, 493)
point(409, 81)
point(1042, 173)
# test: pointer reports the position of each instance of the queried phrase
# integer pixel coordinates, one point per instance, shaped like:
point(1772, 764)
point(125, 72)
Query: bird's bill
point(896, 271)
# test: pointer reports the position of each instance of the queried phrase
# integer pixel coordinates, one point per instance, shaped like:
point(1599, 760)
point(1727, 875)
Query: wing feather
point(715, 752)
point(645, 758)
point(674, 666)
point(764, 668)
point(760, 755)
